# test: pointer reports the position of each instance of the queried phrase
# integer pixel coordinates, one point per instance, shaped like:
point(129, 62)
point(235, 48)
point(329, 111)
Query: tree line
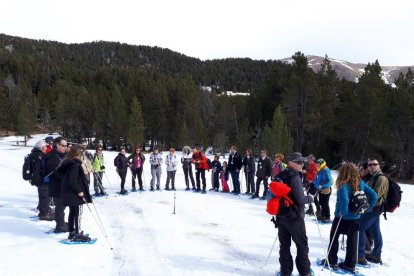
point(134, 94)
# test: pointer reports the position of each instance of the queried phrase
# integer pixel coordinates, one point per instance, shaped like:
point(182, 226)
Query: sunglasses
point(373, 165)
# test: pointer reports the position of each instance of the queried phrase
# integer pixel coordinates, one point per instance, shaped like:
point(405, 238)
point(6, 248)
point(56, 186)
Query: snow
point(210, 234)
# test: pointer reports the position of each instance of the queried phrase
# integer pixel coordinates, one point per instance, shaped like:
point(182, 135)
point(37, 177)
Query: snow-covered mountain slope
point(213, 234)
point(351, 71)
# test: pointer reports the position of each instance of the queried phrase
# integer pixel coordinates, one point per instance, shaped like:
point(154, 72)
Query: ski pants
point(170, 178)
point(97, 182)
point(156, 175)
point(122, 175)
point(324, 201)
point(349, 228)
point(75, 214)
point(188, 173)
point(236, 182)
point(371, 222)
point(44, 199)
point(201, 173)
point(250, 182)
point(265, 185)
point(216, 182)
point(137, 173)
point(312, 190)
point(293, 229)
point(59, 213)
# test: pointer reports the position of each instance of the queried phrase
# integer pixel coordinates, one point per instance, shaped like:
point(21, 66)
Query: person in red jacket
point(200, 161)
point(310, 176)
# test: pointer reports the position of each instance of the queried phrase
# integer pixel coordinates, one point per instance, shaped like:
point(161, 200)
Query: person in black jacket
point(52, 160)
point(216, 169)
point(249, 165)
point(74, 190)
point(121, 164)
point(234, 166)
point(137, 166)
point(37, 154)
point(290, 220)
point(264, 171)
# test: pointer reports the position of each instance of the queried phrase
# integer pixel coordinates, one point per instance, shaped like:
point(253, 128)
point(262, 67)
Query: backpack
point(393, 199)
point(209, 165)
point(358, 203)
point(27, 167)
point(278, 192)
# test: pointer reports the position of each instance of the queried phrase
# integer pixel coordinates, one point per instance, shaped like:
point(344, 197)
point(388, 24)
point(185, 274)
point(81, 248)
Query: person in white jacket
point(156, 162)
point(171, 163)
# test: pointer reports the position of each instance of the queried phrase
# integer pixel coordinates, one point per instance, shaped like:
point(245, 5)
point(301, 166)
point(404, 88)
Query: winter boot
point(309, 212)
point(81, 238)
point(255, 196)
point(167, 188)
point(134, 189)
point(152, 189)
point(47, 217)
point(187, 189)
point(362, 261)
point(346, 267)
point(72, 235)
point(373, 259)
point(204, 191)
point(158, 188)
point(141, 189)
point(61, 228)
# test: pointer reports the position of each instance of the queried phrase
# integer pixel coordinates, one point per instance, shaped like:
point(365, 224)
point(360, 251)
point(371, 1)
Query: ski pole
point(100, 226)
point(323, 244)
point(99, 218)
point(330, 245)
point(174, 203)
point(100, 183)
point(271, 250)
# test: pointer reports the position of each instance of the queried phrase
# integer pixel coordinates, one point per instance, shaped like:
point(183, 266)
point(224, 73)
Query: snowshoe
point(203, 191)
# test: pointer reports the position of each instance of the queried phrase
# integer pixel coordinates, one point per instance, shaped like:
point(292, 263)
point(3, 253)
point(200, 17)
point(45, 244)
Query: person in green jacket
point(98, 166)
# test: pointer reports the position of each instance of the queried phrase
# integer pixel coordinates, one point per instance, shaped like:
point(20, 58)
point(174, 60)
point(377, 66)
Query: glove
point(102, 167)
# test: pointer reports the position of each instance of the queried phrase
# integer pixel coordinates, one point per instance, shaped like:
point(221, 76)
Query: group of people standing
point(315, 181)
point(63, 174)
point(61, 178)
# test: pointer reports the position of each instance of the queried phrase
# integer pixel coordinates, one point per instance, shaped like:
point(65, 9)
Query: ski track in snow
point(213, 234)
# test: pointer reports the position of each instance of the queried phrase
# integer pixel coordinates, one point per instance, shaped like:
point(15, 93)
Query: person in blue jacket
point(346, 222)
point(323, 183)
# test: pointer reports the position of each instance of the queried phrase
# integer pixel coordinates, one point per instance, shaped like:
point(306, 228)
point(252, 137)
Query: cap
point(320, 161)
point(296, 157)
point(49, 139)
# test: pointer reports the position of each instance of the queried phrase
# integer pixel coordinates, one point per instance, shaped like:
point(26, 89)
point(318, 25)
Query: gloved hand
point(102, 167)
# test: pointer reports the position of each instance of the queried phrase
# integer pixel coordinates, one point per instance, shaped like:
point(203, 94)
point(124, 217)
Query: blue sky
point(356, 31)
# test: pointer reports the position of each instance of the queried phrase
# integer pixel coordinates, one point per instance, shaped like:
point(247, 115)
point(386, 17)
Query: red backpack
point(279, 192)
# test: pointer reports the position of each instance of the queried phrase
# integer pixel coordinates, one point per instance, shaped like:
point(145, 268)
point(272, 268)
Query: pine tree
point(277, 137)
point(136, 127)
point(24, 122)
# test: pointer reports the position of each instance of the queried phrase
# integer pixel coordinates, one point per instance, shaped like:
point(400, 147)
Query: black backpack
point(393, 199)
point(210, 166)
point(27, 167)
point(358, 204)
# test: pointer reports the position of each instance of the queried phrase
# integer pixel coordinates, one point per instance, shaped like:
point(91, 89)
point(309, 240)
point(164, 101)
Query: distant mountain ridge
point(231, 74)
point(351, 71)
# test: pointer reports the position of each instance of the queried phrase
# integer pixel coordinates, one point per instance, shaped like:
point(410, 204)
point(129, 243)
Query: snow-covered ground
point(213, 234)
